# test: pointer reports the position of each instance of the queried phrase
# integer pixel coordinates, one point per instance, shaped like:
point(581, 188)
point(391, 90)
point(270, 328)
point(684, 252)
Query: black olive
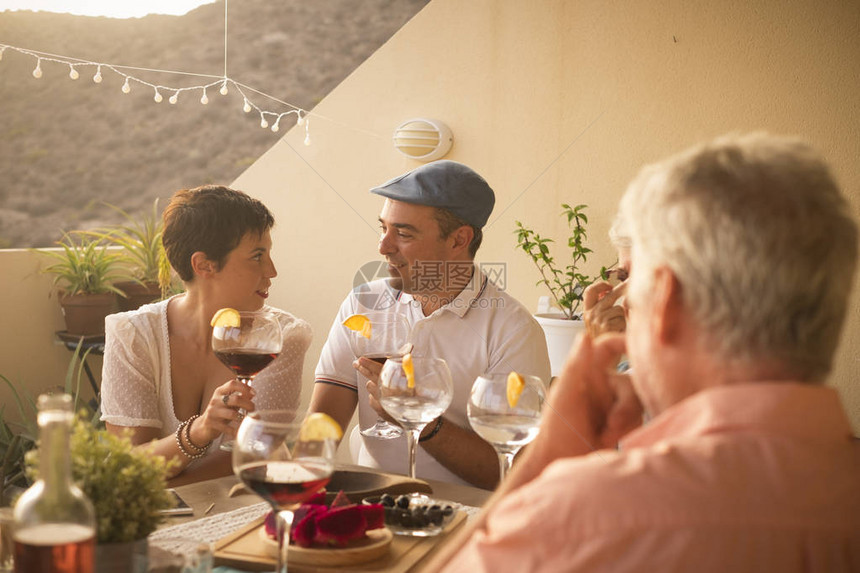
point(434, 514)
point(387, 500)
point(403, 501)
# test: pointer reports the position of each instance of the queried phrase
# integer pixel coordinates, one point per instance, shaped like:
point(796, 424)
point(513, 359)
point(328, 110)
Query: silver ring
point(224, 398)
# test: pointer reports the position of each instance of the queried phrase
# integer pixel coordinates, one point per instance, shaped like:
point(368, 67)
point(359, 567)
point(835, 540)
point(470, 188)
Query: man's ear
point(668, 311)
point(203, 265)
point(462, 238)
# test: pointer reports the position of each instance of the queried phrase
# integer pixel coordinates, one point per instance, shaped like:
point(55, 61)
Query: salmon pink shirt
point(747, 478)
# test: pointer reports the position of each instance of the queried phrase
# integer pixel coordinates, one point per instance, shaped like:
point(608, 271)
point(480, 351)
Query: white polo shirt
point(483, 330)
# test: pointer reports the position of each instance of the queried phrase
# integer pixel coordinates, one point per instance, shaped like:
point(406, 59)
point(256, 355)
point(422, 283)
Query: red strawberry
point(374, 514)
point(341, 525)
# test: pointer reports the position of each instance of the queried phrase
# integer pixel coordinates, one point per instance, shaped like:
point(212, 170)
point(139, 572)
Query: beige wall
point(552, 101)
point(30, 355)
point(557, 101)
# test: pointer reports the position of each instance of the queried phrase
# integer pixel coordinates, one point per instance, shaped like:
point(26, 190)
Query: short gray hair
point(761, 240)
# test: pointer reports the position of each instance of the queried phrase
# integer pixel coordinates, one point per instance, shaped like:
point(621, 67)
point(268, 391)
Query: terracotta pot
point(129, 557)
point(137, 294)
point(560, 335)
point(85, 313)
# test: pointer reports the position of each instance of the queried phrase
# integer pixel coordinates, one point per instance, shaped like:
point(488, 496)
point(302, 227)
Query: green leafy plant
point(18, 438)
point(126, 485)
point(142, 250)
point(566, 282)
point(85, 266)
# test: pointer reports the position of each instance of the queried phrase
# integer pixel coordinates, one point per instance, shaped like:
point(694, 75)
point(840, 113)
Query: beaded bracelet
point(185, 452)
point(433, 432)
point(195, 447)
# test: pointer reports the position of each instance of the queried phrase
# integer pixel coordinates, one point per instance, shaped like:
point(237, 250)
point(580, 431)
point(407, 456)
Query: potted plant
point(566, 282)
point(143, 253)
point(85, 272)
point(127, 487)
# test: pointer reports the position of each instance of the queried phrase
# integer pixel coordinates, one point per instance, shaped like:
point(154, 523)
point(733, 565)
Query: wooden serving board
point(245, 549)
point(358, 484)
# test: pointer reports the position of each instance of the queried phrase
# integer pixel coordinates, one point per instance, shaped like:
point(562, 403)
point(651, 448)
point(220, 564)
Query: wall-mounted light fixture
point(423, 139)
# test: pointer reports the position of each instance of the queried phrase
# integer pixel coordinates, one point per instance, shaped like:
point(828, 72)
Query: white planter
point(560, 334)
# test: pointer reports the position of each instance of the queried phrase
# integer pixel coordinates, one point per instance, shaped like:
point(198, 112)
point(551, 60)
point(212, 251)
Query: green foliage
point(140, 239)
point(85, 266)
point(16, 440)
point(125, 484)
point(565, 283)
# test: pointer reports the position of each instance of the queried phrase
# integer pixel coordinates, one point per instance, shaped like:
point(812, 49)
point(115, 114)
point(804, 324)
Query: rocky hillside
point(66, 146)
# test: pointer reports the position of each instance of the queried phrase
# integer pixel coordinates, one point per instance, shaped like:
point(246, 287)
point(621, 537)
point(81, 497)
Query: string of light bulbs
point(268, 119)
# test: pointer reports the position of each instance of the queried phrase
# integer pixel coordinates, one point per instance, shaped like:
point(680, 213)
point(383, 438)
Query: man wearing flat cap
point(430, 229)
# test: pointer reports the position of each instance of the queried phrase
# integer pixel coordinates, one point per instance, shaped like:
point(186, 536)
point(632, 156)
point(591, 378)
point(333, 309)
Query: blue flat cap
point(446, 184)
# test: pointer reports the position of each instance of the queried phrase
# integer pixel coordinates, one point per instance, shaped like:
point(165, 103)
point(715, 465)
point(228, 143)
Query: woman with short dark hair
point(160, 377)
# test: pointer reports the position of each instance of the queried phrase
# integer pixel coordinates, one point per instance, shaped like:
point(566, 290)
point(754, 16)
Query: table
point(215, 493)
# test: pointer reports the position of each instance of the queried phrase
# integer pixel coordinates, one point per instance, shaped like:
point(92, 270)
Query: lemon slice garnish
point(359, 323)
point(319, 426)
point(409, 370)
point(226, 318)
point(516, 383)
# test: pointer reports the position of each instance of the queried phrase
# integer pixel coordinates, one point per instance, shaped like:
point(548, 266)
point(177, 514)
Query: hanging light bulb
point(223, 91)
point(307, 140)
point(125, 87)
point(204, 100)
point(3, 49)
point(174, 98)
point(37, 73)
point(263, 123)
point(98, 77)
point(157, 98)
point(299, 119)
point(73, 73)
point(276, 128)
point(247, 108)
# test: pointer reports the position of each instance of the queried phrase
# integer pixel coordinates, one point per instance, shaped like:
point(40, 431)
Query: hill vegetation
point(66, 146)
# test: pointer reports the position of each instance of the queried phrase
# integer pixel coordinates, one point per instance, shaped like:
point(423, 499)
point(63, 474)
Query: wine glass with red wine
point(248, 348)
point(388, 338)
point(273, 458)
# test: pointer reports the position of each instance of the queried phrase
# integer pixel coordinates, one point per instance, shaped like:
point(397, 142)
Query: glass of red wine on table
point(285, 460)
point(246, 342)
point(379, 336)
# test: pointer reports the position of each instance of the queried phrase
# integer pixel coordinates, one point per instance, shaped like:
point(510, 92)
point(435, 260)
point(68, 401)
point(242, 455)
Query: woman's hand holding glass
point(246, 342)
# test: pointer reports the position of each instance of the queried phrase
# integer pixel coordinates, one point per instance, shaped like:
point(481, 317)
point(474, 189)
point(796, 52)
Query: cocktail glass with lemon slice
point(285, 460)
point(505, 410)
point(415, 391)
point(246, 342)
point(378, 336)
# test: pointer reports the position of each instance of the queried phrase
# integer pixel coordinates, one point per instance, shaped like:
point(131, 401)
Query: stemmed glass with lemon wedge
point(505, 411)
point(285, 460)
point(379, 336)
point(414, 391)
point(246, 341)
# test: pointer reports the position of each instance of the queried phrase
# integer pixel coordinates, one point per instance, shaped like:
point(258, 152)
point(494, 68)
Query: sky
point(110, 8)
